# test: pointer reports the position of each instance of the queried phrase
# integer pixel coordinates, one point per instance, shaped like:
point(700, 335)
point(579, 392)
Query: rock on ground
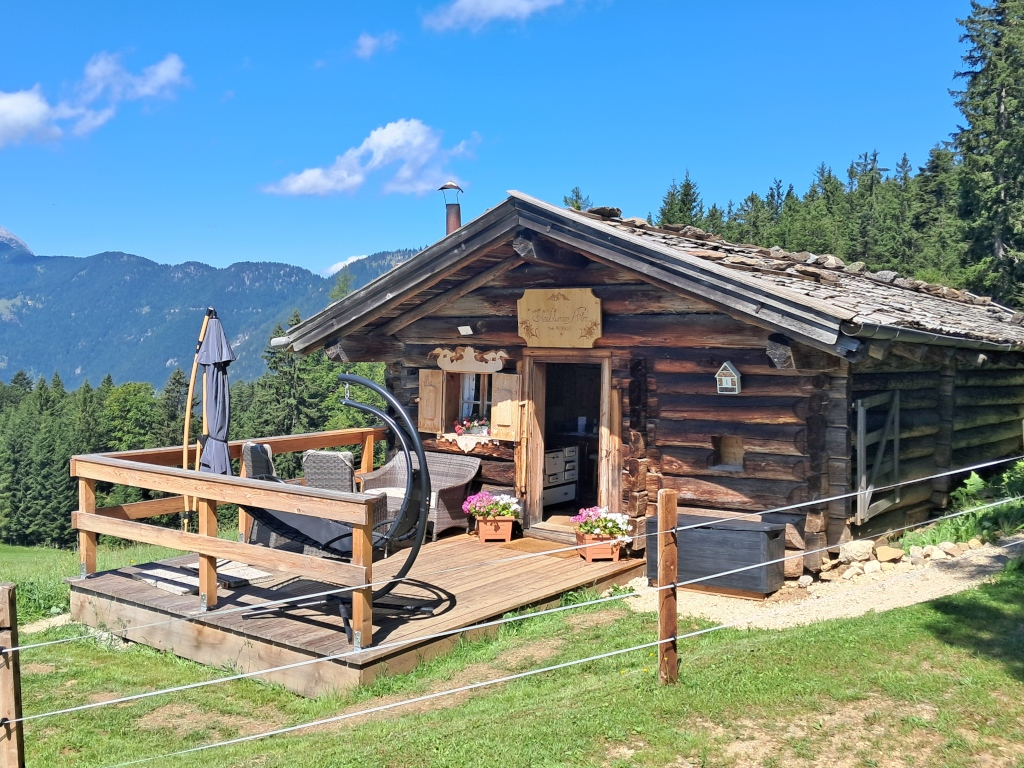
point(856, 551)
point(904, 585)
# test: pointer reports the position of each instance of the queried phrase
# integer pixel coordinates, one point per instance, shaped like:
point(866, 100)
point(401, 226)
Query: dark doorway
point(572, 415)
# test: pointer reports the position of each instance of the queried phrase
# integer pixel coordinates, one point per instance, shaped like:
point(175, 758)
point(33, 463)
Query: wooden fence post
point(668, 561)
point(12, 739)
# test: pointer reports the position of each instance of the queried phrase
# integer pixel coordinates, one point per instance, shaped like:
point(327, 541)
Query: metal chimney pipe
point(453, 211)
point(453, 217)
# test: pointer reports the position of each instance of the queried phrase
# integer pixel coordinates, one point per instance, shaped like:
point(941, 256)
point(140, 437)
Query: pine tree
point(15, 471)
point(691, 207)
point(577, 200)
point(938, 231)
point(170, 430)
point(991, 143)
point(343, 284)
point(681, 204)
point(668, 213)
point(714, 220)
point(133, 416)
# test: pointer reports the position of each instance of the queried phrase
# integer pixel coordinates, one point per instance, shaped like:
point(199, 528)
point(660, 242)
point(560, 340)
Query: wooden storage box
point(723, 546)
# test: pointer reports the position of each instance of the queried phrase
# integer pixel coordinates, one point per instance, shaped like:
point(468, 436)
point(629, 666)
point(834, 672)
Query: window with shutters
point(450, 397)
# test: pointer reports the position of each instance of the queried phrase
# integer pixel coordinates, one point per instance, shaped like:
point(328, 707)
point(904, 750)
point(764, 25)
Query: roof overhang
point(801, 318)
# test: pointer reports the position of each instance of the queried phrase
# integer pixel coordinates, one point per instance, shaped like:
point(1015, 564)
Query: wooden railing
point(158, 469)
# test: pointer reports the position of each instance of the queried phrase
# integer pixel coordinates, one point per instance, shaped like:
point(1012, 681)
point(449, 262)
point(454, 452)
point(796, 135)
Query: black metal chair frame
point(409, 523)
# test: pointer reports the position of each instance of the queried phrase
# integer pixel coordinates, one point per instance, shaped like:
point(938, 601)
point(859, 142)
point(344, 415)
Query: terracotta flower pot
point(494, 528)
point(607, 549)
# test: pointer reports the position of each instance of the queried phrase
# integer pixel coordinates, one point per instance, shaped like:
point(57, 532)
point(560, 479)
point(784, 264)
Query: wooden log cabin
point(614, 358)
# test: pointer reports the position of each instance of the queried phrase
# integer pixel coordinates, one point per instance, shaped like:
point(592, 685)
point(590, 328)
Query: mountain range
point(137, 320)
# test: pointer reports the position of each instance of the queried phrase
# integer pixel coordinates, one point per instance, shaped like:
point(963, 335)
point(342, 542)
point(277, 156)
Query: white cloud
point(367, 45)
point(337, 267)
point(413, 145)
point(475, 14)
point(24, 114)
point(105, 83)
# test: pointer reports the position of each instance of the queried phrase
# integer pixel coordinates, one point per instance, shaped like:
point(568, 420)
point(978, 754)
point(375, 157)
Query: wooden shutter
point(431, 407)
point(505, 406)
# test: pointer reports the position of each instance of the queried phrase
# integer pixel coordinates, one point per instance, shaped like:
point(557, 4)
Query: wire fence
point(335, 591)
point(746, 620)
point(456, 631)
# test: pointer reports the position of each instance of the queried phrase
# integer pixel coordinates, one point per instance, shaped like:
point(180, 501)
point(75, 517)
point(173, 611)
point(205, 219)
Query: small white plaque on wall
point(728, 380)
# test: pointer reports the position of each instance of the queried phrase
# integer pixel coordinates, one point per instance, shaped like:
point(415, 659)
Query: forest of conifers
point(958, 220)
point(42, 426)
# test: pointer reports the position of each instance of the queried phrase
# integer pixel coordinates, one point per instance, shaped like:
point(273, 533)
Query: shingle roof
point(879, 298)
point(813, 299)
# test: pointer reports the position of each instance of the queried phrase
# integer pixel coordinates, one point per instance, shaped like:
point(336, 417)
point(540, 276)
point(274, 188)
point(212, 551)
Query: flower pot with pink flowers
point(601, 533)
point(472, 426)
point(494, 513)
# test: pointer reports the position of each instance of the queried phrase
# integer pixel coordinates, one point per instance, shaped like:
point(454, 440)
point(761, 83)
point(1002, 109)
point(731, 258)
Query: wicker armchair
point(450, 475)
point(335, 471)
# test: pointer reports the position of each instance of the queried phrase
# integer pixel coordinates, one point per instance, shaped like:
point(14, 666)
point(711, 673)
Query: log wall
point(957, 409)
point(666, 352)
point(795, 419)
point(780, 419)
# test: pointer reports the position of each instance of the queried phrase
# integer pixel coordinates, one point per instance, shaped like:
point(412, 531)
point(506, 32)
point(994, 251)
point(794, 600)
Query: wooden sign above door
point(560, 317)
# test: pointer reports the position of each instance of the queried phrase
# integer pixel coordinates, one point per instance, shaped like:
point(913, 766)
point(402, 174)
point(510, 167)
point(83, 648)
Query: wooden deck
point(250, 641)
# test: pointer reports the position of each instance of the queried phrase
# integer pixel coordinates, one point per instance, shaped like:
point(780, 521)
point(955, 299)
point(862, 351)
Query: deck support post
point(12, 738)
point(668, 561)
point(87, 539)
point(207, 510)
point(362, 599)
point(367, 463)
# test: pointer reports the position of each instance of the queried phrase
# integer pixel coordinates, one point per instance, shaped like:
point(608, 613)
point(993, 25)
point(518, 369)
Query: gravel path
point(791, 606)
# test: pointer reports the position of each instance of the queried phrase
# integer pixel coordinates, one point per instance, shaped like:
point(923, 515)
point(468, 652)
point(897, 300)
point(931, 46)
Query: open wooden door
point(609, 470)
point(536, 390)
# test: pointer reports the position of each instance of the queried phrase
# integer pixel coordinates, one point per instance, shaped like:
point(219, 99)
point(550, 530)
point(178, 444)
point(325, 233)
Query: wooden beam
point(290, 562)
point(352, 508)
point(449, 296)
point(878, 348)
point(332, 438)
point(364, 349)
point(12, 737)
point(550, 255)
point(915, 352)
point(668, 564)
point(140, 510)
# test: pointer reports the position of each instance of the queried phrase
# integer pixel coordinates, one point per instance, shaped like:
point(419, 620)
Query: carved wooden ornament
point(560, 317)
point(468, 360)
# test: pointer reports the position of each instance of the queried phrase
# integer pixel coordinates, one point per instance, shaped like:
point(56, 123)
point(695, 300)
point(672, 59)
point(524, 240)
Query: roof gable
point(815, 300)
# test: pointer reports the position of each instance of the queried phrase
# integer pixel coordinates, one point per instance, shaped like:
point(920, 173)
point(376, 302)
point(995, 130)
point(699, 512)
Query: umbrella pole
point(210, 312)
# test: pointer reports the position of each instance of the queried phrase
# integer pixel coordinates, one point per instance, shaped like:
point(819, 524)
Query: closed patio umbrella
point(215, 355)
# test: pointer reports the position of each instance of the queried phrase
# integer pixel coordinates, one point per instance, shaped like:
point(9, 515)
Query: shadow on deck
point(448, 574)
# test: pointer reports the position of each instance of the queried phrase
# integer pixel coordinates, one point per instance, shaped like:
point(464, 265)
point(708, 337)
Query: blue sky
point(312, 132)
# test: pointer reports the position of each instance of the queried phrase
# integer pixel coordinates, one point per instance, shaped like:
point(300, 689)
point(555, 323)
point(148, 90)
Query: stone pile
point(865, 558)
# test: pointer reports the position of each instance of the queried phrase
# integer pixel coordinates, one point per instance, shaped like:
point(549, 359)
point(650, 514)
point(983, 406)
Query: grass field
point(39, 573)
point(936, 684)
